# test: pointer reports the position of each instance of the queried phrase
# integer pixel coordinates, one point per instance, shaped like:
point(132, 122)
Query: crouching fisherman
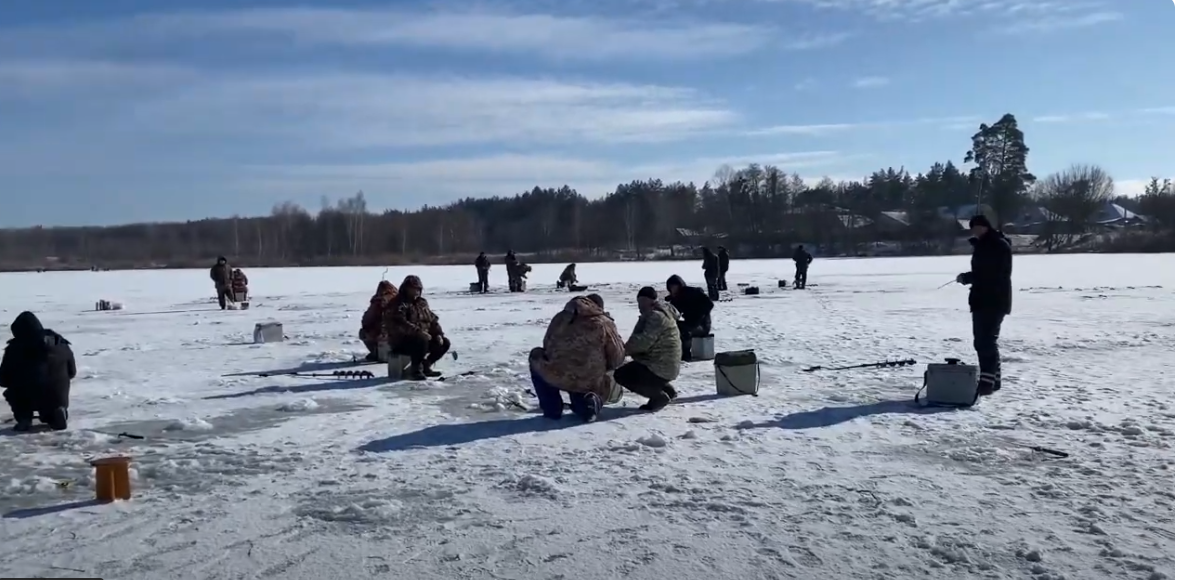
point(35, 374)
point(696, 307)
point(568, 277)
point(241, 287)
point(582, 345)
point(372, 323)
point(655, 350)
point(414, 331)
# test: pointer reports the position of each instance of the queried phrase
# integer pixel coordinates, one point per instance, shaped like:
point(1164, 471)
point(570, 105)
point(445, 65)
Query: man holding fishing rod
point(990, 297)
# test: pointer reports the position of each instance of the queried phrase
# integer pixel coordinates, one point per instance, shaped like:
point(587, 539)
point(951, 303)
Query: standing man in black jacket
point(722, 257)
point(35, 374)
point(696, 308)
point(711, 268)
point(222, 277)
point(990, 296)
point(483, 265)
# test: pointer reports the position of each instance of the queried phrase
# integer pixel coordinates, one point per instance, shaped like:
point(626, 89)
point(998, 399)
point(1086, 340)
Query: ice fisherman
point(372, 323)
point(482, 265)
point(239, 284)
point(581, 346)
point(990, 297)
point(695, 306)
point(655, 349)
point(568, 277)
point(711, 268)
point(802, 260)
point(722, 258)
point(35, 374)
point(414, 331)
point(512, 265)
point(221, 275)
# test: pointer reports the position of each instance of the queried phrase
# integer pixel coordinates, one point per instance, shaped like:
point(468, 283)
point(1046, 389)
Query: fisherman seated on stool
point(414, 331)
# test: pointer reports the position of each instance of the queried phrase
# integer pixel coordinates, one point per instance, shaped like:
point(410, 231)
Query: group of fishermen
point(582, 353)
point(517, 273)
point(715, 267)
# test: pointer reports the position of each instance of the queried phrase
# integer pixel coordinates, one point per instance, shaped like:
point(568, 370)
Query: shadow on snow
point(829, 416)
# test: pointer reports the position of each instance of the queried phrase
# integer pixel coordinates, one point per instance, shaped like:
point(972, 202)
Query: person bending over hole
point(580, 347)
point(414, 331)
point(372, 323)
point(35, 374)
point(568, 277)
point(655, 349)
point(696, 308)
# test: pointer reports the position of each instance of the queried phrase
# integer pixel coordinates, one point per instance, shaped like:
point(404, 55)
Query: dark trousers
point(25, 405)
point(722, 281)
point(687, 330)
point(638, 379)
point(484, 282)
point(421, 350)
point(713, 286)
point(986, 327)
point(224, 295)
point(583, 405)
point(800, 277)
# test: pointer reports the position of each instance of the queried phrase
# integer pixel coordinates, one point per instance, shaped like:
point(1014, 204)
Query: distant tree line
point(762, 209)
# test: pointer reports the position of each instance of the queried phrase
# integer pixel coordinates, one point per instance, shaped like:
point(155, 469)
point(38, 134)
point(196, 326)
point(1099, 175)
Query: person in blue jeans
point(581, 347)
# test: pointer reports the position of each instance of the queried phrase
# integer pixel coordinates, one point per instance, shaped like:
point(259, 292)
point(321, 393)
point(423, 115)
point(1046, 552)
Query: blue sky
point(133, 110)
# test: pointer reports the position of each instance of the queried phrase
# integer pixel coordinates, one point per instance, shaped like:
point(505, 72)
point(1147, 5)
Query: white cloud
point(806, 85)
point(28, 78)
point(1051, 23)
point(539, 35)
point(1065, 13)
point(870, 82)
point(313, 110)
point(1072, 118)
point(817, 130)
point(505, 174)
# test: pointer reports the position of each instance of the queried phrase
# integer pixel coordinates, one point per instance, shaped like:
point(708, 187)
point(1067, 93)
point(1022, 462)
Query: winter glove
point(961, 279)
point(425, 336)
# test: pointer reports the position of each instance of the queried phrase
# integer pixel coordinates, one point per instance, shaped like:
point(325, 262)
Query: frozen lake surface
point(825, 475)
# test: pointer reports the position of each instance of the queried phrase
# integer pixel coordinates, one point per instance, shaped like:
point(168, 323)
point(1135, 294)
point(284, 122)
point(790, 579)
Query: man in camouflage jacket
point(413, 330)
point(655, 348)
point(581, 345)
point(372, 324)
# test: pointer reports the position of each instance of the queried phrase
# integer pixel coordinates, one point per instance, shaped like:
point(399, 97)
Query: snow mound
point(299, 406)
point(189, 424)
point(499, 399)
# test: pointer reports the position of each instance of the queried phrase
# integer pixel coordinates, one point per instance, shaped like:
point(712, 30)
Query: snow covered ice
point(826, 475)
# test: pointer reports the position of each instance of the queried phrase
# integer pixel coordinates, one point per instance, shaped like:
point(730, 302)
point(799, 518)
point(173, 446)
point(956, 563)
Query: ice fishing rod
point(879, 365)
point(946, 283)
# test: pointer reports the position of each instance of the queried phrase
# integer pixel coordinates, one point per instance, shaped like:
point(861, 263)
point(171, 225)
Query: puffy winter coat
point(38, 366)
point(582, 344)
point(655, 342)
point(238, 282)
point(405, 317)
point(372, 323)
point(989, 275)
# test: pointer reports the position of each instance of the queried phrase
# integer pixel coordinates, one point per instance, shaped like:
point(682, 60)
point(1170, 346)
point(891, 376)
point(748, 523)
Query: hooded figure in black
point(35, 374)
point(990, 297)
point(722, 259)
point(695, 306)
point(512, 264)
point(802, 260)
point(483, 265)
point(711, 268)
point(222, 276)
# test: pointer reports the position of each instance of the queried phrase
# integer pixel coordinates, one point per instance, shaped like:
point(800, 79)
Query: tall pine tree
point(999, 155)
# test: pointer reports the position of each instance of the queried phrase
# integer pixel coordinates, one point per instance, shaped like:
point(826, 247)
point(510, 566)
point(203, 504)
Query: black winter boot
point(427, 369)
point(415, 372)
